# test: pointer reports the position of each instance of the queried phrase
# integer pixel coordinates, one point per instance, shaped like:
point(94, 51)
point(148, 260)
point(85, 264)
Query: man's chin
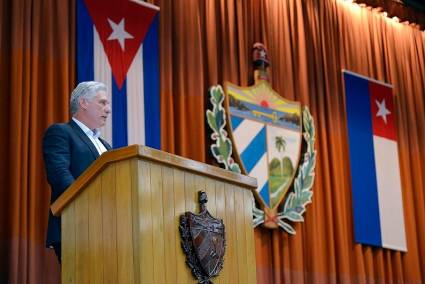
point(102, 122)
point(100, 125)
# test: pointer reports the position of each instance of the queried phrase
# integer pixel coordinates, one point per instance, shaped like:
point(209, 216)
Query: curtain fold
point(207, 42)
point(4, 131)
point(37, 74)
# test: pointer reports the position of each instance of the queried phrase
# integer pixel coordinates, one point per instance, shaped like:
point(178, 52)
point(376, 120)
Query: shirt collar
point(95, 133)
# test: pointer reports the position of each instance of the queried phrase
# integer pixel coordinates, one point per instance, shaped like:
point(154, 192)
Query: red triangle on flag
point(122, 27)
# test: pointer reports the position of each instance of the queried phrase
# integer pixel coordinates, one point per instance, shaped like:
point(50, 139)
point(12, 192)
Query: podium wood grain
point(120, 219)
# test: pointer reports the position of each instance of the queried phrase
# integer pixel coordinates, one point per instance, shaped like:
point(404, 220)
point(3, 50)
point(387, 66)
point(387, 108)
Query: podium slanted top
point(149, 154)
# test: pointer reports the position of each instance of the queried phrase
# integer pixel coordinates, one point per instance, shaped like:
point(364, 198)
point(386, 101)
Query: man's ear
point(83, 103)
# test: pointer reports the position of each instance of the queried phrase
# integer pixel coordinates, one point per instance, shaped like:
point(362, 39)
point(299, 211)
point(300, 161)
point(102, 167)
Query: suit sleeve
point(57, 157)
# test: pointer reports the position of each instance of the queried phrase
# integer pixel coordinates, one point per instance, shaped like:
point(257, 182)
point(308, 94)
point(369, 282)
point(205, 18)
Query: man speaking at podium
point(70, 148)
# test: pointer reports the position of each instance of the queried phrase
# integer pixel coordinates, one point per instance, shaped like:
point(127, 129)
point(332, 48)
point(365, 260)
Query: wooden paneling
point(221, 214)
point(135, 217)
point(124, 223)
point(231, 252)
point(95, 231)
point(200, 183)
point(249, 236)
point(190, 194)
point(240, 235)
point(124, 226)
point(210, 190)
point(109, 225)
point(82, 270)
point(195, 167)
point(146, 226)
point(170, 233)
point(68, 244)
point(183, 275)
point(157, 223)
point(152, 155)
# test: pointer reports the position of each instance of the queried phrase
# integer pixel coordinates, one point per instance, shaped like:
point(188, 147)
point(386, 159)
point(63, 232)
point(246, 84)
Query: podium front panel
point(124, 227)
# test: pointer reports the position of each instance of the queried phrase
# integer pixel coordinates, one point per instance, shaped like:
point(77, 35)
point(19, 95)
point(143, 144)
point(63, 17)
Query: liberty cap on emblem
point(203, 241)
point(266, 135)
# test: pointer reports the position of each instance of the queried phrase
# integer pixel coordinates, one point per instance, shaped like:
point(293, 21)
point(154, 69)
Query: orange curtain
point(206, 42)
point(36, 76)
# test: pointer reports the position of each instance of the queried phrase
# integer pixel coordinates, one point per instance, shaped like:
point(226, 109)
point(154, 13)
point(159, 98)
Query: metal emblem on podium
point(203, 241)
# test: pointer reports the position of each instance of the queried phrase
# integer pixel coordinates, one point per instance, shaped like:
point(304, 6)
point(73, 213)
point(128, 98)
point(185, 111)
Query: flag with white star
point(374, 163)
point(117, 44)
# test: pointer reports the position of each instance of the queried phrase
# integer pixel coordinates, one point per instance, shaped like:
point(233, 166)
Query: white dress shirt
point(93, 135)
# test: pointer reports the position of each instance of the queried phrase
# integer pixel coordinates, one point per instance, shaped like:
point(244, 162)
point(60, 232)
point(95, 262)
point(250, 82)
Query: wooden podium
point(120, 219)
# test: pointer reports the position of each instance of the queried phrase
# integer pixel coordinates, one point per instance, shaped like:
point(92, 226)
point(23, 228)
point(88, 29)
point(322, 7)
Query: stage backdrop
point(204, 43)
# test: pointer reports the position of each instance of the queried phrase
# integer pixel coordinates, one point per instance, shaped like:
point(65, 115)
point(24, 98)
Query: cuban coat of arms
point(203, 240)
point(261, 134)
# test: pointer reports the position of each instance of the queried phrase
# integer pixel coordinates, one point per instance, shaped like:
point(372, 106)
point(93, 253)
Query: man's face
point(97, 110)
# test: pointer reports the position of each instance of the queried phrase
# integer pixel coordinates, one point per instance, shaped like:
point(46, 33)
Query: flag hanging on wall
point(374, 164)
point(117, 44)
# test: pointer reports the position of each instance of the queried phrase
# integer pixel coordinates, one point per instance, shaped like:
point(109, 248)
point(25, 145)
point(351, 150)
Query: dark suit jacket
point(67, 152)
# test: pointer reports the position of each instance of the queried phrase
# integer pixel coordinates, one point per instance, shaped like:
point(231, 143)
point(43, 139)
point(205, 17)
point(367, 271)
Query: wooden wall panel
point(124, 223)
point(190, 195)
point(109, 225)
point(183, 273)
point(189, 192)
point(158, 256)
point(249, 236)
point(82, 238)
point(210, 190)
point(170, 233)
point(240, 229)
point(145, 221)
point(95, 231)
point(231, 264)
point(134, 170)
point(68, 244)
point(221, 214)
point(200, 183)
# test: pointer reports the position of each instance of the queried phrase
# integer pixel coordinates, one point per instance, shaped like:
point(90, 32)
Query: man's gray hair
point(86, 90)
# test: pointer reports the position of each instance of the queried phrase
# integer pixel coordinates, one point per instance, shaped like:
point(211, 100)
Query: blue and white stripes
point(250, 141)
point(135, 115)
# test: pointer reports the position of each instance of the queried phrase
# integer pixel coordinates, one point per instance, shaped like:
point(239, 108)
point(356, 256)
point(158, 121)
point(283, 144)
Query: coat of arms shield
point(266, 135)
point(203, 242)
point(266, 132)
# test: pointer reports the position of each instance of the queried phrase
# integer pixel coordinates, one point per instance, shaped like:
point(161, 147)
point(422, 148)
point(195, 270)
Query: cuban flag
point(117, 44)
point(375, 171)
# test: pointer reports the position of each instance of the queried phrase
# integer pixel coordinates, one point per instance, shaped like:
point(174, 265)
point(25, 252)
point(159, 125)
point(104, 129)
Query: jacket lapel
point(84, 137)
point(106, 144)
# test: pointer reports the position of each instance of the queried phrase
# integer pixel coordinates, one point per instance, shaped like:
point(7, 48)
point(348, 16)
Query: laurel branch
point(222, 148)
